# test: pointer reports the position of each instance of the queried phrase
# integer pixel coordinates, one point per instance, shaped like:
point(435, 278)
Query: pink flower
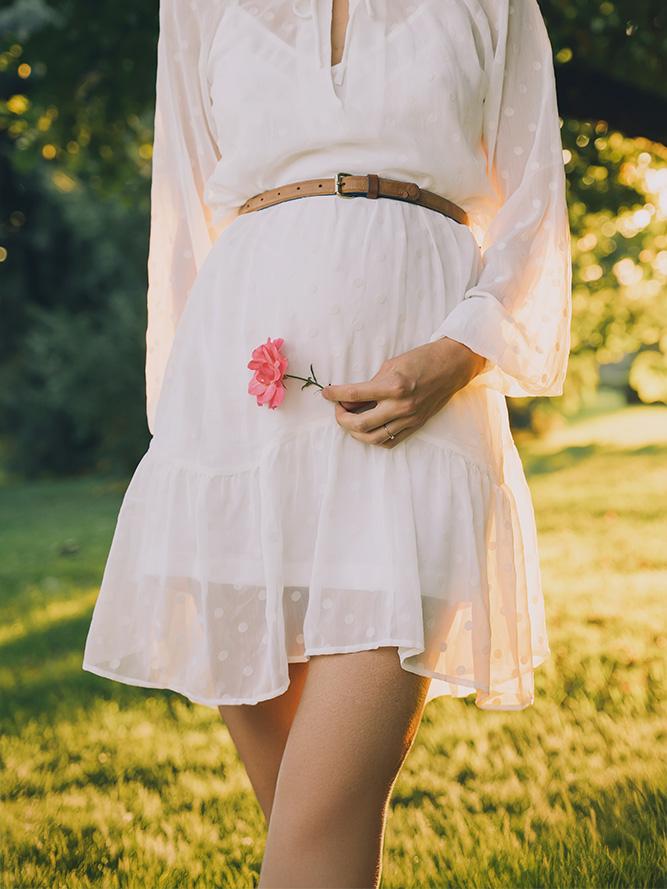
point(269, 365)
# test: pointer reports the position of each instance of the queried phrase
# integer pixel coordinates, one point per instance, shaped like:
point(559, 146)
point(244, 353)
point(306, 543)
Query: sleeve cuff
point(482, 324)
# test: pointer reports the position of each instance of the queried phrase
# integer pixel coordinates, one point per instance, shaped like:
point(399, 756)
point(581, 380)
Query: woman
point(320, 564)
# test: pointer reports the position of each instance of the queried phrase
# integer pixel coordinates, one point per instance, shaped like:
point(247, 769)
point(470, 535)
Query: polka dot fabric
point(250, 538)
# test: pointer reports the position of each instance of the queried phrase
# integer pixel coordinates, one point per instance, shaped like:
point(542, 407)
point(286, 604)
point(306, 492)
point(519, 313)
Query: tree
point(611, 63)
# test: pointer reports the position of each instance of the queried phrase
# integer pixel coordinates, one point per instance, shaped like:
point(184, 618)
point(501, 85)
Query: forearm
point(457, 359)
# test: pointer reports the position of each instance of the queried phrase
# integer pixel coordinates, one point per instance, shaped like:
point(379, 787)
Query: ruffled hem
point(216, 580)
point(440, 686)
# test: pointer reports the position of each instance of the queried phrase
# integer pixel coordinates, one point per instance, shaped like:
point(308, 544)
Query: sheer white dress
point(249, 538)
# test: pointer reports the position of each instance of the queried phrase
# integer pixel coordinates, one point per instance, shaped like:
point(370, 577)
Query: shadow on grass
point(536, 463)
point(540, 464)
point(44, 680)
point(38, 647)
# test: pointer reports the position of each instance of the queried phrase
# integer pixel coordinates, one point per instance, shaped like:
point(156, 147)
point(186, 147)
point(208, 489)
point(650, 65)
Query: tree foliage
point(611, 62)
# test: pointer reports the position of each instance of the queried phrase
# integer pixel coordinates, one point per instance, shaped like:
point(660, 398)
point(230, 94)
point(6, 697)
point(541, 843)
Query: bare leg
point(259, 732)
point(356, 721)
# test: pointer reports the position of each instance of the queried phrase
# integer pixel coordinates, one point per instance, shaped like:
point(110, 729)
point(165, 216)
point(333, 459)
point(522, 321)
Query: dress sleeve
point(517, 315)
point(184, 156)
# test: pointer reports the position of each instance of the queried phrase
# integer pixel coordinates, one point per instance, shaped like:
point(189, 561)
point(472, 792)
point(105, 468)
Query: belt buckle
point(339, 186)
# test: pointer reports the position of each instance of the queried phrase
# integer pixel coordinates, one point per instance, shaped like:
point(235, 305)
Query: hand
point(406, 392)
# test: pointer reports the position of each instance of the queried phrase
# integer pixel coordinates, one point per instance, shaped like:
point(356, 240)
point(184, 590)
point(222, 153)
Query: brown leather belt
point(346, 185)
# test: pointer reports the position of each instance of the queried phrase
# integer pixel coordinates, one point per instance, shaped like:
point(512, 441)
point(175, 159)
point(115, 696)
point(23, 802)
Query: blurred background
point(567, 793)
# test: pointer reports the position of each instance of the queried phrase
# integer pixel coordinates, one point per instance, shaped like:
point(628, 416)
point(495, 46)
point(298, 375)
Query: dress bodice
point(406, 101)
point(456, 95)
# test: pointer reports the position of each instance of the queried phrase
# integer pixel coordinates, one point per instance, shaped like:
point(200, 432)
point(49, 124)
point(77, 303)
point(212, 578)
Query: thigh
point(356, 721)
point(357, 718)
point(260, 731)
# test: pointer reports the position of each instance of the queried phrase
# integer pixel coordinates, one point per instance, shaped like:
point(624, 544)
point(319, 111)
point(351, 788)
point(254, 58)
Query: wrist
point(467, 362)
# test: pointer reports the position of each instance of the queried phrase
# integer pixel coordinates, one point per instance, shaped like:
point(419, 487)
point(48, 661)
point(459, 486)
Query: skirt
point(250, 538)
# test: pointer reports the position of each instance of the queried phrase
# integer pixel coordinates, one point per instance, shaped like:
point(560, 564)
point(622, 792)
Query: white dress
point(250, 538)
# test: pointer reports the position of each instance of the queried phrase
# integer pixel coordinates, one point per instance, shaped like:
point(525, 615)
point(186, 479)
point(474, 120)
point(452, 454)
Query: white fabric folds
point(249, 538)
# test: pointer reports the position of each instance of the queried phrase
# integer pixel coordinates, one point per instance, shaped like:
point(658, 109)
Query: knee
point(311, 813)
point(331, 824)
point(316, 834)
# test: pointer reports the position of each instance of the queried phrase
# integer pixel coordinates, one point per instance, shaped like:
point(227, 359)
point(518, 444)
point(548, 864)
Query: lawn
point(106, 785)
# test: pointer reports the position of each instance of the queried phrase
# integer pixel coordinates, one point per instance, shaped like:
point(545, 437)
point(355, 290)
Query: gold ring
point(392, 437)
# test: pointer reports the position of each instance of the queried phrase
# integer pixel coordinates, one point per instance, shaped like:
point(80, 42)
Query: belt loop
point(373, 185)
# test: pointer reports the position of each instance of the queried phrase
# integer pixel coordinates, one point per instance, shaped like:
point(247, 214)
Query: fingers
point(397, 439)
point(369, 426)
point(355, 392)
point(358, 407)
point(364, 408)
point(361, 423)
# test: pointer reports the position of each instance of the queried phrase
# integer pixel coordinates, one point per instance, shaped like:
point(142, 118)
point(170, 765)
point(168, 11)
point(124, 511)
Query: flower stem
point(307, 381)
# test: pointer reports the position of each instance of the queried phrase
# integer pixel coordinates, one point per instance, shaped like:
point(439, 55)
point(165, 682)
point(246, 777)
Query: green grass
point(107, 785)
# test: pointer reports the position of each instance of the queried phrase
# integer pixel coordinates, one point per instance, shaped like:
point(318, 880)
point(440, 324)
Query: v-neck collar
point(321, 12)
point(314, 59)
